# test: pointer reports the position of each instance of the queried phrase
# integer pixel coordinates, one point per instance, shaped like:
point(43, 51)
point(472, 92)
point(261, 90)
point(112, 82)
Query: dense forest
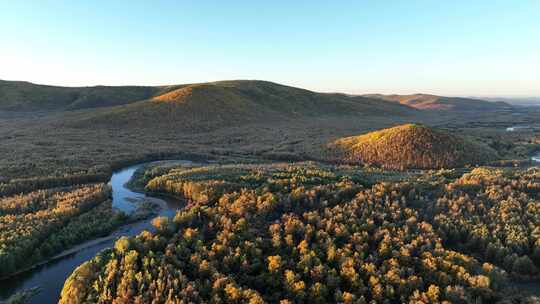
point(311, 233)
point(494, 215)
point(411, 146)
point(42, 223)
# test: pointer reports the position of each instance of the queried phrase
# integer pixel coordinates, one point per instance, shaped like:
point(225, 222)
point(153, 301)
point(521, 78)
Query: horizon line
point(510, 96)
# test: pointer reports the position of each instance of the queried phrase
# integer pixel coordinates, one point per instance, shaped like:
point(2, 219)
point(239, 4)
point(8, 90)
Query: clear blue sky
point(443, 47)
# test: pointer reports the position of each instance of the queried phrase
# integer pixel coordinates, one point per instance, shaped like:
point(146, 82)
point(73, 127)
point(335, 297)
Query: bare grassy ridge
point(410, 146)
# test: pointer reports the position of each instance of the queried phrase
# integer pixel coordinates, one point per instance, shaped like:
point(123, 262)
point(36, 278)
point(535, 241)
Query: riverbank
point(49, 275)
point(142, 213)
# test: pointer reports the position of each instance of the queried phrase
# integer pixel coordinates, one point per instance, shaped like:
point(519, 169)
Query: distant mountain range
point(26, 96)
point(206, 106)
point(434, 102)
point(518, 101)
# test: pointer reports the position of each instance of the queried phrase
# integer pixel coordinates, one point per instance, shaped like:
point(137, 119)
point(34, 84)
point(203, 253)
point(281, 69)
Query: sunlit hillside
point(410, 146)
point(205, 106)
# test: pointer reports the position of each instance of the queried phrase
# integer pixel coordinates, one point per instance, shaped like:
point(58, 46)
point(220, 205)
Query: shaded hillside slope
point(410, 146)
point(433, 102)
point(26, 96)
point(228, 103)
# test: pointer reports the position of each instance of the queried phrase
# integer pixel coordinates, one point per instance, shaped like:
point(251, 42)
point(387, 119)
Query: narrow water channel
point(50, 276)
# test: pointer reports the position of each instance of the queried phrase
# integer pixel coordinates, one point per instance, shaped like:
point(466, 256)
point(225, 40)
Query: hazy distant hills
point(434, 102)
point(518, 101)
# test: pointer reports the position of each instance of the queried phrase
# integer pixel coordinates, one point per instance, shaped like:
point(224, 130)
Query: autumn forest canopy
point(316, 234)
point(411, 146)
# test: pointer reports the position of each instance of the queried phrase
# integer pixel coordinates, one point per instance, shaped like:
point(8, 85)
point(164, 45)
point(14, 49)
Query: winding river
point(51, 275)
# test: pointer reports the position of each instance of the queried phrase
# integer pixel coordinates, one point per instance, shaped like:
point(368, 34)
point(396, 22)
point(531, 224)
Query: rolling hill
point(517, 101)
point(434, 102)
point(26, 96)
point(410, 146)
point(206, 106)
